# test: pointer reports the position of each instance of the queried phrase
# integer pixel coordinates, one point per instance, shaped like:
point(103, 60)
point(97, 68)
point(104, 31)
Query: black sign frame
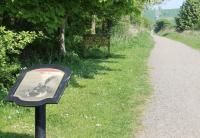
point(59, 92)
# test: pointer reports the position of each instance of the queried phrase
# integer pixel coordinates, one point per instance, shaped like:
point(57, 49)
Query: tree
point(45, 16)
point(162, 24)
point(189, 16)
point(62, 20)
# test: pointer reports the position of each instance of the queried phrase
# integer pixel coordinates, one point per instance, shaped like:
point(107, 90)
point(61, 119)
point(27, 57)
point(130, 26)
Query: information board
point(40, 85)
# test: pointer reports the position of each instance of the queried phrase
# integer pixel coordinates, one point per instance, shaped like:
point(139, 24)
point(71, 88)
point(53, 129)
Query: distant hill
point(169, 14)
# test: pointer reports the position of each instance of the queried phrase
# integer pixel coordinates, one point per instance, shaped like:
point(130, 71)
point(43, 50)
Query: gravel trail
point(174, 109)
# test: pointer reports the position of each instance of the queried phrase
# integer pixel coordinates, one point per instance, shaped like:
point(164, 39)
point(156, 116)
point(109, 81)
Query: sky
point(171, 4)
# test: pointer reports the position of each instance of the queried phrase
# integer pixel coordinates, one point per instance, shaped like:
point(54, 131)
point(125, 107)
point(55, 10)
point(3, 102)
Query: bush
point(11, 44)
point(146, 23)
point(162, 25)
point(189, 16)
point(120, 29)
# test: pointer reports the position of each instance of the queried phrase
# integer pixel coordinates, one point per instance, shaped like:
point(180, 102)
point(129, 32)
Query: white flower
point(98, 125)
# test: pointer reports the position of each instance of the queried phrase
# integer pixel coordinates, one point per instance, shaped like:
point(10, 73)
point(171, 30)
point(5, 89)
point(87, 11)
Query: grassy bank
point(189, 38)
point(104, 99)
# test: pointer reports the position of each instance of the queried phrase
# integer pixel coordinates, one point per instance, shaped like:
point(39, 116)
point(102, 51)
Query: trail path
point(174, 109)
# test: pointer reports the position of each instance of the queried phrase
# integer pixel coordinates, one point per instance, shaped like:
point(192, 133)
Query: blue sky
point(171, 4)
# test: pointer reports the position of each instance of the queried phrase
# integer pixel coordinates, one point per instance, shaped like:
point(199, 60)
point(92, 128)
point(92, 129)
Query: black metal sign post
point(40, 121)
point(38, 86)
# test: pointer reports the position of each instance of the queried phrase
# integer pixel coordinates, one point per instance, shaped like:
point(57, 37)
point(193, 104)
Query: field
point(105, 98)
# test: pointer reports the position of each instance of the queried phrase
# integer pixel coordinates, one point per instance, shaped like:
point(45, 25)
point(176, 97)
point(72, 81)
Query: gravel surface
point(174, 109)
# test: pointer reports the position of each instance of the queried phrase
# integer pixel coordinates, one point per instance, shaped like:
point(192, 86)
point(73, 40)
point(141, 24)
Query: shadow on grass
point(88, 68)
point(14, 135)
point(165, 34)
point(74, 83)
point(96, 53)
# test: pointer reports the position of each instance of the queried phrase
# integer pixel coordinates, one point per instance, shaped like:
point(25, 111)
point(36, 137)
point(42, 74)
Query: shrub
point(11, 44)
point(162, 24)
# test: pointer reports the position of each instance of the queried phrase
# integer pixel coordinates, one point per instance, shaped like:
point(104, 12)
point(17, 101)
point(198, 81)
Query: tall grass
point(190, 38)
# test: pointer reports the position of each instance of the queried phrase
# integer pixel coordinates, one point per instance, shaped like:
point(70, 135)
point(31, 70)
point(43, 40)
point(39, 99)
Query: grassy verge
point(104, 100)
point(189, 38)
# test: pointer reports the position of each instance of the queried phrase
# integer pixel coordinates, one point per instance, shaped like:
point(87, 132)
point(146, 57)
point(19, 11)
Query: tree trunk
point(93, 29)
point(109, 25)
point(62, 37)
point(6, 20)
point(105, 26)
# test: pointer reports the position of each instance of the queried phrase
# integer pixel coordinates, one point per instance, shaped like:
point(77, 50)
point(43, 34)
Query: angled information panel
point(40, 85)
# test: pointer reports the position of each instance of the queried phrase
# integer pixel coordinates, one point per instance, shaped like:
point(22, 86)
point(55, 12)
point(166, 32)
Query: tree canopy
point(65, 17)
point(189, 16)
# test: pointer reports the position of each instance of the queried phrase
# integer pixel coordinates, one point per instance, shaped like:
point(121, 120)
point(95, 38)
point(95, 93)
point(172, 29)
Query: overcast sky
point(171, 4)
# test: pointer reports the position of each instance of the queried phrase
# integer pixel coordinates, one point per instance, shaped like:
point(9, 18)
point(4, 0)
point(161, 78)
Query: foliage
point(189, 16)
point(162, 25)
point(121, 29)
point(146, 23)
point(49, 17)
point(45, 16)
point(11, 44)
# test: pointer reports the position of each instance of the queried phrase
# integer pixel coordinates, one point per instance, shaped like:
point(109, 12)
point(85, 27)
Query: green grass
point(105, 97)
point(189, 38)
